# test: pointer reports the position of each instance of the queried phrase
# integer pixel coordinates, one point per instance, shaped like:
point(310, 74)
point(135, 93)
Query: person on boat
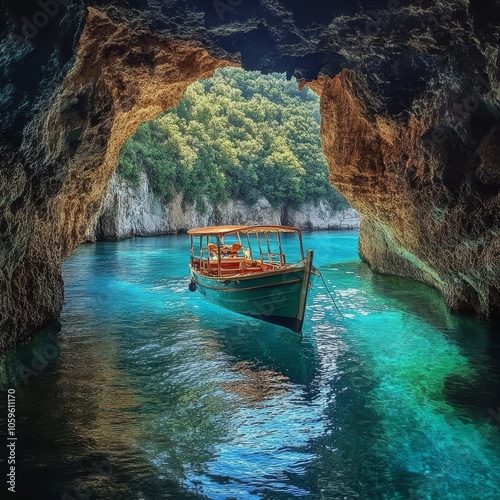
point(212, 250)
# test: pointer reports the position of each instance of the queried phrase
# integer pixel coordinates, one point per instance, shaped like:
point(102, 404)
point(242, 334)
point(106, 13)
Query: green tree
point(238, 135)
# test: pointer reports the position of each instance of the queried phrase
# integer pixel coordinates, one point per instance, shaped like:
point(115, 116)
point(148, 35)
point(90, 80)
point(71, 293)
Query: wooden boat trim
point(289, 282)
point(298, 266)
point(223, 230)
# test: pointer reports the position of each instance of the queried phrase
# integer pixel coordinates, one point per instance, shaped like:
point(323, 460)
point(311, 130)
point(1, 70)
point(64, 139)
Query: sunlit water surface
point(150, 392)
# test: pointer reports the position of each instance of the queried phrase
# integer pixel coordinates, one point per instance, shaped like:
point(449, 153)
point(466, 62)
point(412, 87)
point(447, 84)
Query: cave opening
point(115, 75)
point(240, 147)
point(149, 391)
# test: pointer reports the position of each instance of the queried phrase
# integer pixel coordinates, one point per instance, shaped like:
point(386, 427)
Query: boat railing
point(237, 266)
point(213, 256)
point(271, 258)
point(277, 259)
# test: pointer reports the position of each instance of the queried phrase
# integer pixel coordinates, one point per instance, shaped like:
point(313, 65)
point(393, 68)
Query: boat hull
point(277, 297)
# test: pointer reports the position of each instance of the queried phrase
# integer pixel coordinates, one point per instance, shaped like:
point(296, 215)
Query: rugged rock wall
point(423, 165)
point(128, 211)
point(54, 182)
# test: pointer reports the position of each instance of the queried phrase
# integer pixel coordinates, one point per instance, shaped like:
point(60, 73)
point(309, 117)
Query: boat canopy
point(223, 230)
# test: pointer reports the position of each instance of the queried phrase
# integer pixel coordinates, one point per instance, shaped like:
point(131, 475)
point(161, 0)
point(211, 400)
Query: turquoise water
point(150, 392)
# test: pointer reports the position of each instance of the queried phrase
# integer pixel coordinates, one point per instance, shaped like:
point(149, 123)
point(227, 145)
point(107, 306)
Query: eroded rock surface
point(129, 210)
point(422, 163)
point(53, 184)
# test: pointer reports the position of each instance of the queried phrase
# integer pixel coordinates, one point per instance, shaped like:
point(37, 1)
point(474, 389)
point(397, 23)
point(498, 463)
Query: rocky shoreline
point(128, 210)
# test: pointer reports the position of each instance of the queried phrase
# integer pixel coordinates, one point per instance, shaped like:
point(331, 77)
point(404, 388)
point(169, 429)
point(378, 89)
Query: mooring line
point(328, 290)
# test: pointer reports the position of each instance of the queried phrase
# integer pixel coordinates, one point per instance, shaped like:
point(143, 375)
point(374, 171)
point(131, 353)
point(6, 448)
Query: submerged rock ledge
point(411, 126)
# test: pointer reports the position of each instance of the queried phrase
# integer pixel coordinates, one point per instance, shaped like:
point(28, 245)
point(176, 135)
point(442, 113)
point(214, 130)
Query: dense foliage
point(238, 135)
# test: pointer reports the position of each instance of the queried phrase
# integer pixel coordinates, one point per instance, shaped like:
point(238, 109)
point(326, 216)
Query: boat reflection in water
point(244, 269)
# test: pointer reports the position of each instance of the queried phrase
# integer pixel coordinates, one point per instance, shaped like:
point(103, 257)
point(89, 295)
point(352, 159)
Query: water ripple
point(182, 399)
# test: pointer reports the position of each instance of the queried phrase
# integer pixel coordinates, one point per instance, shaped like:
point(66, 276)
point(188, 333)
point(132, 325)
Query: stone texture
point(129, 210)
point(118, 79)
point(427, 212)
point(320, 215)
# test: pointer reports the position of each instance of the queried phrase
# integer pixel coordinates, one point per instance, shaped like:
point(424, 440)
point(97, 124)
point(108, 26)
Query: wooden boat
point(244, 269)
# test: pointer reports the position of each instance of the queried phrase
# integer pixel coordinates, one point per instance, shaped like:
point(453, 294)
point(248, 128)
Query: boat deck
point(231, 267)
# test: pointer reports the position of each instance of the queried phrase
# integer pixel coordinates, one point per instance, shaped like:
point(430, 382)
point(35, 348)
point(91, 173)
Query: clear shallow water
point(150, 392)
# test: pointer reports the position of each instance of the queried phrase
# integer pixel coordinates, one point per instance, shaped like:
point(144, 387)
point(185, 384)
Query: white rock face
point(322, 216)
point(127, 210)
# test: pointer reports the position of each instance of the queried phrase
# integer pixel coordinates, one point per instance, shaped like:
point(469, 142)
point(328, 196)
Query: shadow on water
point(79, 423)
point(267, 347)
point(478, 397)
point(427, 364)
point(308, 392)
point(185, 400)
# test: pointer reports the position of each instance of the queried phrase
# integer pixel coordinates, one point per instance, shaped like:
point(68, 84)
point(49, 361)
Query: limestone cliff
point(129, 210)
point(422, 219)
point(424, 172)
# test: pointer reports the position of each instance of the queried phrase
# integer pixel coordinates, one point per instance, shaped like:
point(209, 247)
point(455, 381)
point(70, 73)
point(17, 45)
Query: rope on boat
point(317, 272)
